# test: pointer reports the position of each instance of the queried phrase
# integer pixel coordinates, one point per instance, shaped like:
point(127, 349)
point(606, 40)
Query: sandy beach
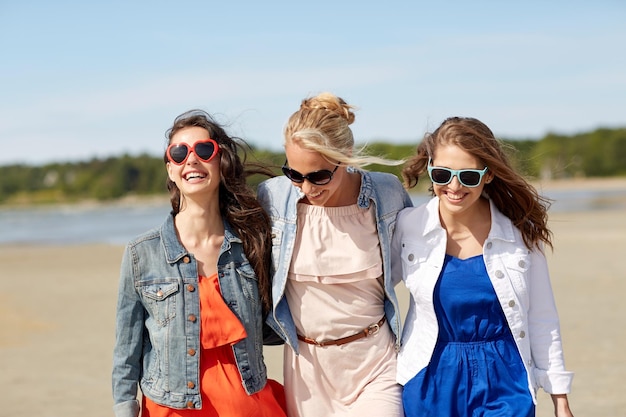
point(57, 307)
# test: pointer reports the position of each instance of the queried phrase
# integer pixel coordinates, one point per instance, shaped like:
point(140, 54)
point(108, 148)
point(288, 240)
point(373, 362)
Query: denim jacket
point(279, 197)
point(519, 277)
point(158, 321)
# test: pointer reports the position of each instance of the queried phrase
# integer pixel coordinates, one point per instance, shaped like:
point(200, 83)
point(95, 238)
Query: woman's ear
point(168, 166)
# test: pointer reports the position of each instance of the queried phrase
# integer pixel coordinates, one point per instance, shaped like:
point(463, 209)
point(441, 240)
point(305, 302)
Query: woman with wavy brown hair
point(194, 292)
point(482, 331)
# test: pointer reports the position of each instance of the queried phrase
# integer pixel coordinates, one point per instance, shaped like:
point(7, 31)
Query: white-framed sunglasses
point(467, 177)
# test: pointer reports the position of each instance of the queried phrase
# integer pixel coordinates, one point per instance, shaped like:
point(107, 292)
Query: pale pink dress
point(334, 289)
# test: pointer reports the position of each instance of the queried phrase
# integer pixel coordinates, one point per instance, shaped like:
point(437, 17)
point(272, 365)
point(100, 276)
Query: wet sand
point(57, 307)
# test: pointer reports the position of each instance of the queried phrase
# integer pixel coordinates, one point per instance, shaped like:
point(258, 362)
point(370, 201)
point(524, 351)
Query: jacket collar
point(501, 227)
point(367, 188)
point(174, 250)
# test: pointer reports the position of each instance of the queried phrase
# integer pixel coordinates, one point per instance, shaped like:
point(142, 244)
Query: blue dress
point(475, 369)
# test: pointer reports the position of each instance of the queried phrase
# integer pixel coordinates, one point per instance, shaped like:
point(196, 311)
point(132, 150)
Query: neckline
point(448, 256)
point(329, 210)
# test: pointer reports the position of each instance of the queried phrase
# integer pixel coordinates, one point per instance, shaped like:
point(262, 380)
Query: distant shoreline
point(615, 183)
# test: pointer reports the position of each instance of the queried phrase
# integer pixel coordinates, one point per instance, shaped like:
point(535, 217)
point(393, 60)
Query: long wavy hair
point(238, 204)
point(515, 197)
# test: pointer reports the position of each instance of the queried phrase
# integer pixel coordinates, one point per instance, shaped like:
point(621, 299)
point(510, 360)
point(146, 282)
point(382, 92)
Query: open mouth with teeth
point(191, 176)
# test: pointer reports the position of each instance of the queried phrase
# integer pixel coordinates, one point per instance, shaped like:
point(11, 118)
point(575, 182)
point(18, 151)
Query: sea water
point(116, 224)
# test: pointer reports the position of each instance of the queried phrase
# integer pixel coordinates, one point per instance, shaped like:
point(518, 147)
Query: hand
point(561, 405)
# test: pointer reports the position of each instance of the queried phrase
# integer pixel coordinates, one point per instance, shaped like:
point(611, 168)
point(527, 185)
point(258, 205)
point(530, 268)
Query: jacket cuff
point(127, 409)
point(554, 382)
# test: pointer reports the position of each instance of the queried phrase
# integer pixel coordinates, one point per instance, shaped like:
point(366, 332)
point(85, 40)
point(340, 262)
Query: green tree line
point(600, 153)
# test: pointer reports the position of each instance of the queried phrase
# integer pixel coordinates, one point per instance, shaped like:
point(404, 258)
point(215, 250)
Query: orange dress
point(220, 382)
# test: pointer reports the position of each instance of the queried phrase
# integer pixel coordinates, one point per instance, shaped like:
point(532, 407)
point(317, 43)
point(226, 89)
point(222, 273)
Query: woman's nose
point(307, 187)
point(455, 183)
point(192, 158)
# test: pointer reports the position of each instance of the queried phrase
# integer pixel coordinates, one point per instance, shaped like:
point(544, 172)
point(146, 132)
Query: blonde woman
point(333, 296)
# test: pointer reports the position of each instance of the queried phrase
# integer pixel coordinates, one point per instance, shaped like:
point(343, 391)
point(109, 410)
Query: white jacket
point(521, 281)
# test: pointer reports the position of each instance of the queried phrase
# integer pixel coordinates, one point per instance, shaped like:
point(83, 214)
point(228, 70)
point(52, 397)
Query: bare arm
point(561, 405)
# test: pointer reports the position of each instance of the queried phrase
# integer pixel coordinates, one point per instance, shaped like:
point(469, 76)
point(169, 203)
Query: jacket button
point(488, 246)
point(512, 303)
point(191, 385)
point(499, 274)
point(190, 288)
point(521, 264)
point(159, 293)
point(191, 352)
point(411, 257)
point(186, 259)
point(192, 318)
point(522, 334)
point(190, 404)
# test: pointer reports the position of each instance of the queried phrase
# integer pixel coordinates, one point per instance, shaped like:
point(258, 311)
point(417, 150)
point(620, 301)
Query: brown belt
point(369, 330)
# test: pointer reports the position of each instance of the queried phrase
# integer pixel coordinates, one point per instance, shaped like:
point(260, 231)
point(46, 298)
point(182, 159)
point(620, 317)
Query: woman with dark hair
point(482, 332)
point(194, 292)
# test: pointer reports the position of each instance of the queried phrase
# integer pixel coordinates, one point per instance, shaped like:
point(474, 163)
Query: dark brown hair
point(238, 204)
point(515, 197)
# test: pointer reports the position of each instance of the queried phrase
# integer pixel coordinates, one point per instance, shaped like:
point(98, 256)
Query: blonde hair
point(322, 124)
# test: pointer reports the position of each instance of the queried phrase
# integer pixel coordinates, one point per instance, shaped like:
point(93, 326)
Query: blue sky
point(94, 79)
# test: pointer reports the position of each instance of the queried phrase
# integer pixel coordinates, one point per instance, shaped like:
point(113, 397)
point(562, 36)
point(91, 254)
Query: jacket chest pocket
point(413, 255)
point(517, 269)
point(160, 300)
point(416, 269)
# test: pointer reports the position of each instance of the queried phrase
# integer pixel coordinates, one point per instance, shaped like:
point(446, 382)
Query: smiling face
point(194, 176)
point(455, 198)
point(306, 161)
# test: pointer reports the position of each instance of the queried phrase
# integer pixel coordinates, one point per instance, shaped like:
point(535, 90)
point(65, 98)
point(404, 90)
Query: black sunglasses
point(468, 177)
point(321, 177)
point(205, 150)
